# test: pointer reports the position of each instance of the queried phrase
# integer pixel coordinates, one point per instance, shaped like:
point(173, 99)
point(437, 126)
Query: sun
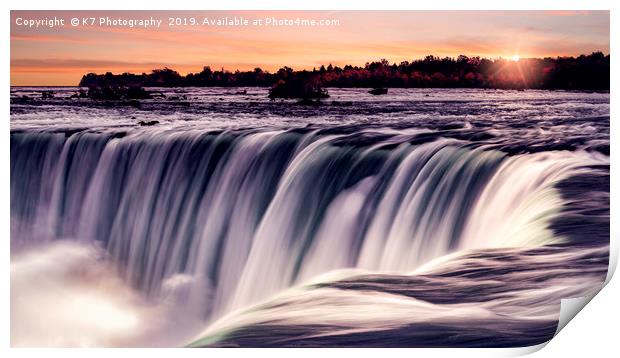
point(515, 58)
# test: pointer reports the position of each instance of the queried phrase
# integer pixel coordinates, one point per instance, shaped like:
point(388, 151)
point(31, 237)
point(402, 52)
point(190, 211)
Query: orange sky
point(61, 55)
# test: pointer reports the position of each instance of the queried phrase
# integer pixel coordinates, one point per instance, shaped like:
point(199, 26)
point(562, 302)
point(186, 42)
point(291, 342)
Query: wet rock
point(148, 123)
point(47, 94)
point(108, 93)
point(378, 91)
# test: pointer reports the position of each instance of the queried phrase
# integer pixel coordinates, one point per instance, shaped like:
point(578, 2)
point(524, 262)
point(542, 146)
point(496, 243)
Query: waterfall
point(241, 215)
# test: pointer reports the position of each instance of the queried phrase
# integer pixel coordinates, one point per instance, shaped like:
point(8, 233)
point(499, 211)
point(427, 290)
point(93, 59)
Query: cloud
point(46, 38)
point(75, 68)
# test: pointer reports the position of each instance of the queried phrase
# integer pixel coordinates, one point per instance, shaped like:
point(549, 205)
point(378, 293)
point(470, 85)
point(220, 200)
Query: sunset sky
point(60, 56)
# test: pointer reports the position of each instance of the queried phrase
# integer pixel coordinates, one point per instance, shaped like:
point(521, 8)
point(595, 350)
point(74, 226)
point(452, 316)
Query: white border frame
point(594, 330)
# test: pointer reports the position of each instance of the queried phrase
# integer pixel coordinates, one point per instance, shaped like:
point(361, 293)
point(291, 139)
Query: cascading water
point(452, 217)
point(241, 215)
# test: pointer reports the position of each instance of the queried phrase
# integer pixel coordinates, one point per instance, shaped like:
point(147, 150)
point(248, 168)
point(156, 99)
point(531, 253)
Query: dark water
point(420, 218)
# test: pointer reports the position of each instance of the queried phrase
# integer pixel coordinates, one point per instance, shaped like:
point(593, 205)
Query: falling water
point(241, 215)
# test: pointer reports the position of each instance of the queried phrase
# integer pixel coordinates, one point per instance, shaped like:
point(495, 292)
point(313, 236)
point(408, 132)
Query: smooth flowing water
point(365, 221)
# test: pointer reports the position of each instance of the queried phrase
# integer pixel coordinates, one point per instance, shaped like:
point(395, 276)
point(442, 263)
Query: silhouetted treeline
point(585, 72)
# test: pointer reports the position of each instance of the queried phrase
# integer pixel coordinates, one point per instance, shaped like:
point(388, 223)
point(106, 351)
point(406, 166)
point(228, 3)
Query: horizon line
point(277, 68)
point(498, 58)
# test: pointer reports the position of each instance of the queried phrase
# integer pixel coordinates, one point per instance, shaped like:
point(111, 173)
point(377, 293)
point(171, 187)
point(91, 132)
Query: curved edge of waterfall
point(488, 298)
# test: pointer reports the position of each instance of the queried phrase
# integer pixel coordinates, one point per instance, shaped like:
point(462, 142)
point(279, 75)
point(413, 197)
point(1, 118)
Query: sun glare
point(515, 58)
